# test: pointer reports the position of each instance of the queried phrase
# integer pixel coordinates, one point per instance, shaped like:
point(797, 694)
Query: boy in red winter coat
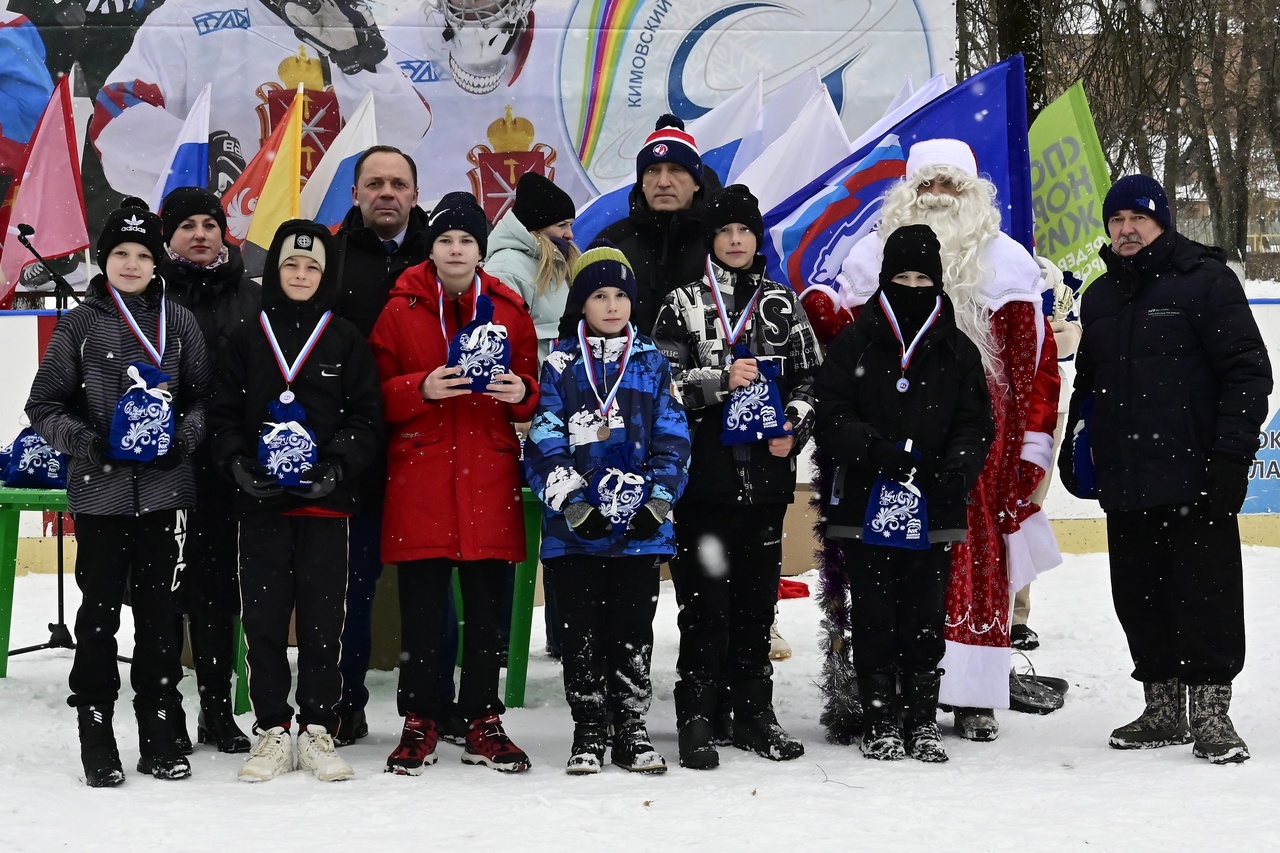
point(457, 356)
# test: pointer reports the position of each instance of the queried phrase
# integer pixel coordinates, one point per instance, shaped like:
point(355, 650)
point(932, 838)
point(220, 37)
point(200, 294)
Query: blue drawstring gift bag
point(286, 447)
point(754, 412)
point(617, 489)
point(142, 427)
point(897, 514)
point(480, 347)
point(33, 463)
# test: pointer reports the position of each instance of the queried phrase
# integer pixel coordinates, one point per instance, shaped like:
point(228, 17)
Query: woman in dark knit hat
point(531, 250)
point(205, 274)
point(901, 373)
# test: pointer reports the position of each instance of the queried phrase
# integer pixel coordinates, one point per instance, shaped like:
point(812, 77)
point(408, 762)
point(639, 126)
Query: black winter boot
point(213, 650)
point(157, 740)
point(722, 720)
point(755, 726)
point(695, 706)
point(921, 736)
point(1162, 723)
point(632, 750)
point(1216, 737)
point(881, 735)
point(98, 751)
point(587, 754)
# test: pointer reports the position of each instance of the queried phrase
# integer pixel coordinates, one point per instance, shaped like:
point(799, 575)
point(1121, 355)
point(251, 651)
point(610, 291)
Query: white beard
point(964, 225)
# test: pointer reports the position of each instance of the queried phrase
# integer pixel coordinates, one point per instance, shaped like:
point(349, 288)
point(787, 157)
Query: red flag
point(46, 194)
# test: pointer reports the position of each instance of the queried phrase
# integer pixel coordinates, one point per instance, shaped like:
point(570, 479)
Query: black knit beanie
point(540, 203)
point(734, 203)
point(1141, 193)
point(458, 211)
point(913, 248)
point(132, 222)
point(185, 202)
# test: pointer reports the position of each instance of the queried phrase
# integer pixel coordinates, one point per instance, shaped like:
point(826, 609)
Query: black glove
point(170, 460)
point(254, 479)
point(945, 487)
point(592, 525)
point(891, 460)
point(646, 522)
point(323, 478)
point(1226, 485)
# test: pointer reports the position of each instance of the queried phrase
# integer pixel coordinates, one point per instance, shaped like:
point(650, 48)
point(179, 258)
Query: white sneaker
point(779, 648)
point(270, 756)
point(317, 754)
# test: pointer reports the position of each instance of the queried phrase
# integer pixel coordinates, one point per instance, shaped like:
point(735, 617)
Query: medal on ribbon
point(905, 351)
point(287, 370)
point(897, 514)
point(604, 404)
point(480, 348)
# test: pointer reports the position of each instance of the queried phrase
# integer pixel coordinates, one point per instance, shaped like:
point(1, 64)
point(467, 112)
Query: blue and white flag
point(813, 141)
point(326, 198)
point(189, 158)
point(718, 133)
point(779, 112)
point(988, 111)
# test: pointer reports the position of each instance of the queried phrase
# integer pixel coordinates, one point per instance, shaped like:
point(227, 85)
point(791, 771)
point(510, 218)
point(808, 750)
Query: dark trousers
point(142, 553)
point(425, 594)
point(1177, 583)
point(607, 605)
point(288, 563)
point(898, 606)
point(726, 571)
point(363, 571)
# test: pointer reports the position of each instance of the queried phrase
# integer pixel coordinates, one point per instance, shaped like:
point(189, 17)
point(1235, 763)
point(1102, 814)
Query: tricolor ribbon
point(290, 371)
point(475, 308)
point(908, 351)
point(606, 402)
point(156, 353)
point(736, 331)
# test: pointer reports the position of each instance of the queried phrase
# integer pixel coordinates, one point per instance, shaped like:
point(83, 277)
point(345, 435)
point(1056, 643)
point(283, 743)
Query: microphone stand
point(59, 633)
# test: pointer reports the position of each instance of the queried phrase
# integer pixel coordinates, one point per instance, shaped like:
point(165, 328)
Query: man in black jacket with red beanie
point(1177, 376)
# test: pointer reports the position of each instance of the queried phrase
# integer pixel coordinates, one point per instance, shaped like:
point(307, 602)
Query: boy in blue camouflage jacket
point(607, 454)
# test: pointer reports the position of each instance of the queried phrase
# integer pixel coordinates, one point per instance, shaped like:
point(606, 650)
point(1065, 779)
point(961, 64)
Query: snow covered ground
point(1048, 783)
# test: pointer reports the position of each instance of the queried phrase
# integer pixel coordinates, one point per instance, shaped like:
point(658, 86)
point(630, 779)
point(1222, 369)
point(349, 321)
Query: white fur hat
point(941, 152)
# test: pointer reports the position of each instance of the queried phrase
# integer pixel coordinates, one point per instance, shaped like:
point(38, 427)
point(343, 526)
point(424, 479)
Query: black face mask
point(911, 305)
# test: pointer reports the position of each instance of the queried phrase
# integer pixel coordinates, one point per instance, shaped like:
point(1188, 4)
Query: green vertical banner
point(1069, 180)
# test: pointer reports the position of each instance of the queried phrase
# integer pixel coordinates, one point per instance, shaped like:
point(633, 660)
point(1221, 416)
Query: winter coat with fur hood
point(337, 385)
point(453, 469)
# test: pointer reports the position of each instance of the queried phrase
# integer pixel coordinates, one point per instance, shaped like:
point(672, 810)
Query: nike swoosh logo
point(327, 373)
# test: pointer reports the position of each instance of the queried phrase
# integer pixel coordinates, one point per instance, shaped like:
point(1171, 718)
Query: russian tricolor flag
point(189, 159)
point(326, 198)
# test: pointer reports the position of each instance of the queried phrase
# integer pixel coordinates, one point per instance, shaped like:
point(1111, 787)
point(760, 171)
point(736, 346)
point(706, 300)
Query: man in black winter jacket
point(1176, 376)
point(382, 235)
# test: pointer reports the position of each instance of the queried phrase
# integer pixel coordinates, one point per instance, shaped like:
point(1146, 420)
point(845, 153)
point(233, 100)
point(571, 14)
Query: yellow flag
point(267, 193)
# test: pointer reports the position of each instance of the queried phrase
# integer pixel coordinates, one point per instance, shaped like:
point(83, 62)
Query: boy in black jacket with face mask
point(296, 420)
point(903, 372)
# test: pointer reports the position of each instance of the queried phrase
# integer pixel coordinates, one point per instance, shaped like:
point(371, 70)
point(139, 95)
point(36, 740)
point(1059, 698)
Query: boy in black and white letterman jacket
point(742, 476)
point(121, 391)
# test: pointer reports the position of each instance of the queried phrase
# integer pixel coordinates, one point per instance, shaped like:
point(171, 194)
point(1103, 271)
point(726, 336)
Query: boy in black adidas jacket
point(294, 538)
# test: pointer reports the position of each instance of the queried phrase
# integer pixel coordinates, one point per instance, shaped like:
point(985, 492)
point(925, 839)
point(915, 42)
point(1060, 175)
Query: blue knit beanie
point(1141, 193)
point(601, 265)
